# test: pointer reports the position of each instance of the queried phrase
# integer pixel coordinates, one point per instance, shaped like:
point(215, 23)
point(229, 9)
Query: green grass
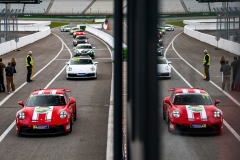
point(88, 22)
point(124, 52)
point(56, 24)
point(176, 23)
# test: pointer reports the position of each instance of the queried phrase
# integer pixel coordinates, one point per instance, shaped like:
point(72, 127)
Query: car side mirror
point(74, 48)
point(67, 63)
point(95, 62)
point(93, 47)
point(21, 103)
point(217, 101)
point(169, 62)
point(71, 101)
point(167, 100)
point(161, 47)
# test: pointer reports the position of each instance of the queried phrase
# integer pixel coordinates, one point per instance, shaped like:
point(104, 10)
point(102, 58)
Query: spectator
point(2, 66)
point(13, 64)
point(234, 67)
point(226, 76)
point(222, 63)
point(9, 76)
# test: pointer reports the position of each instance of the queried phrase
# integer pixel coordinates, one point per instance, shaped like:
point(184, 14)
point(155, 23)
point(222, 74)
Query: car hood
point(162, 68)
point(196, 112)
point(80, 40)
point(47, 113)
point(81, 68)
point(83, 50)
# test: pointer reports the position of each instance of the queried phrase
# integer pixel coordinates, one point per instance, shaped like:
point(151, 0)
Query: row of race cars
point(52, 111)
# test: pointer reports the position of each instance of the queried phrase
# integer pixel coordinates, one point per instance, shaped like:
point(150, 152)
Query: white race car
point(169, 27)
point(163, 67)
point(81, 67)
point(84, 49)
point(65, 28)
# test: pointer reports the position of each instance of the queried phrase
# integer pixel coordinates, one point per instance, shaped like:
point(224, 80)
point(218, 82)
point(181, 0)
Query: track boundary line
point(14, 122)
point(224, 122)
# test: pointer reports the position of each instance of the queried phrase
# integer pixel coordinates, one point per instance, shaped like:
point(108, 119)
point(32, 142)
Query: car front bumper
point(87, 75)
point(165, 74)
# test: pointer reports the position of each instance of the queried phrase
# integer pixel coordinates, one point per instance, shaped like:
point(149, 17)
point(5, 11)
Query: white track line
point(5, 99)
point(224, 122)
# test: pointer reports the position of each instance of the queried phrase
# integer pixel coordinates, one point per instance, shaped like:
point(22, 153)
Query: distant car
point(163, 67)
point(81, 67)
point(65, 28)
point(78, 32)
point(84, 49)
point(72, 30)
point(191, 110)
point(80, 40)
point(169, 27)
point(159, 33)
point(47, 111)
point(159, 50)
point(159, 40)
point(162, 29)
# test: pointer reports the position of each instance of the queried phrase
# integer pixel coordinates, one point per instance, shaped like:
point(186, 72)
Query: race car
point(159, 33)
point(159, 40)
point(191, 110)
point(163, 67)
point(162, 29)
point(47, 111)
point(159, 50)
point(79, 40)
point(169, 27)
point(84, 49)
point(65, 28)
point(81, 67)
point(72, 30)
point(78, 32)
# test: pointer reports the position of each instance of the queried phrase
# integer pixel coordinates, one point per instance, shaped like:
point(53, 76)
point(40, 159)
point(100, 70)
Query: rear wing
point(60, 89)
point(173, 89)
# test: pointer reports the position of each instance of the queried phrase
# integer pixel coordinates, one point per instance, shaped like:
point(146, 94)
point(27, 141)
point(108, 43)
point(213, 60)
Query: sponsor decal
point(43, 110)
point(196, 109)
point(68, 126)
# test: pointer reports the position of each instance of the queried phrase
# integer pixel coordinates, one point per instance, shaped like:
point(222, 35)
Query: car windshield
point(81, 37)
point(162, 61)
point(66, 26)
point(167, 26)
point(192, 99)
point(84, 47)
point(81, 61)
point(79, 31)
point(46, 100)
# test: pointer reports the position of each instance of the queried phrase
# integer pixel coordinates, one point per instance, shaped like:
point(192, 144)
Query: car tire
point(75, 113)
point(67, 78)
point(164, 118)
point(96, 76)
point(70, 126)
point(169, 78)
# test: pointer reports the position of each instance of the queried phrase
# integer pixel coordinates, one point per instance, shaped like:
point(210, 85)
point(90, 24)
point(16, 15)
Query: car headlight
point(86, 41)
point(21, 115)
point(92, 68)
point(77, 51)
point(167, 68)
point(69, 68)
point(63, 114)
point(75, 41)
point(217, 114)
point(176, 114)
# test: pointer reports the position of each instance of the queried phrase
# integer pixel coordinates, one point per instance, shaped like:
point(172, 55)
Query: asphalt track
point(89, 137)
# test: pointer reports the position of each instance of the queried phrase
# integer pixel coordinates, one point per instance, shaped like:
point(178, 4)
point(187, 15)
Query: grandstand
point(102, 6)
point(194, 6)
point(170, 6)
point(39, 8)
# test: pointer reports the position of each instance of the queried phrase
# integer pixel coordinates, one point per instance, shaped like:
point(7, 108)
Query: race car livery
point(81, 67)
point(47, 111)
point(84, 49)
point(65, 28)
point(78, 32)
point(80, 40)
point(191, 110)
point(72, 30)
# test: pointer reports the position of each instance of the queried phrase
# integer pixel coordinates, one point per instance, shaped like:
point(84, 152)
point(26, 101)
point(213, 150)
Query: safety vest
point(204, 60)
point(31, 62)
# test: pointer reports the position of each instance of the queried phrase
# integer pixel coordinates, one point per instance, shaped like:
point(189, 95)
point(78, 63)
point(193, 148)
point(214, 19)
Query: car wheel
point(96, 76)
point(75, 113)
point(164, 118)
point(169, 78)
point(67, 78)
point(70, 126)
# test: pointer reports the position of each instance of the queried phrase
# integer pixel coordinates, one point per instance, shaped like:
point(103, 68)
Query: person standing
point(222, 63)
point(226, 76)
point(13, 64)
point(2, 66)
point(9, 77)
point(29, 64)
point(234, 67)
point(206, 64)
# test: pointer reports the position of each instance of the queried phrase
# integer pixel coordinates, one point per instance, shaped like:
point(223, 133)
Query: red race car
point(191, 110)
point(78, 32)
point(47, 111)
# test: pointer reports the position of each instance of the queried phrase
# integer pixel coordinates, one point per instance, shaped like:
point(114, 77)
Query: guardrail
point(224, 44)
point(23, 41)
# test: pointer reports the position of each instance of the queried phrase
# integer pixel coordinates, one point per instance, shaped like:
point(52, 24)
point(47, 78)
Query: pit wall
point(224, 44)
point(9, 46)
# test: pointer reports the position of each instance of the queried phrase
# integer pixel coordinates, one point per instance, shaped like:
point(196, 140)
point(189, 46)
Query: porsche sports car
point(84, 49)
point(159, 33)
point(81, 67)
point(159, 50)
point(78, 32)
point(159, 40)
point(169, 27)
point(162, 29)
point(47, 111)
point(163, 67)
point(80, 40)
point(191, 110)
point(72, 30)
point(65, 28)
